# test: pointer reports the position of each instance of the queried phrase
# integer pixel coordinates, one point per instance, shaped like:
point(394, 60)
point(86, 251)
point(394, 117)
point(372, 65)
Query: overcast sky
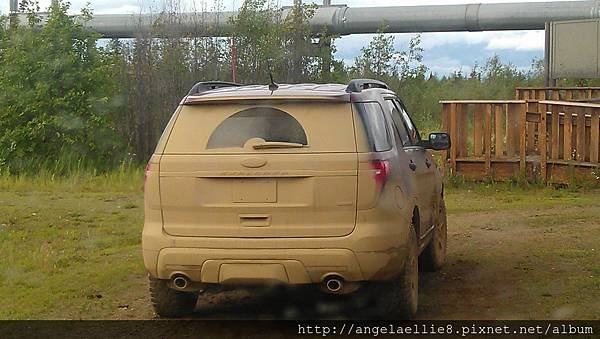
point(444, 52)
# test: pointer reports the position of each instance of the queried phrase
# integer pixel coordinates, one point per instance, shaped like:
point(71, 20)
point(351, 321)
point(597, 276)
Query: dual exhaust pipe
point(331, 284)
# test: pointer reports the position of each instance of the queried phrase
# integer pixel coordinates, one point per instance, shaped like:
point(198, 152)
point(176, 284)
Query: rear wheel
point(398, 299)
point(434, 255)
point(168, 302)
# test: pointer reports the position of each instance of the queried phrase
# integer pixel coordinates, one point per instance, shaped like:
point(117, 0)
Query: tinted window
point(268, 123)
point(372, 117)
point(398, 123)
point(412, 129)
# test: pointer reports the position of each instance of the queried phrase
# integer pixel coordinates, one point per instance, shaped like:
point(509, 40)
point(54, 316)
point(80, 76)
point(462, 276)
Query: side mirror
point(438, 141)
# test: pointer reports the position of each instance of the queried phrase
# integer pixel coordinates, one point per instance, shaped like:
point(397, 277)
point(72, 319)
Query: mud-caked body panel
point(258, 189)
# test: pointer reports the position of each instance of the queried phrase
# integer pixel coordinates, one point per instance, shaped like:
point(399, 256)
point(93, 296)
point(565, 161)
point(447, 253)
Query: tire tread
point(168, 302)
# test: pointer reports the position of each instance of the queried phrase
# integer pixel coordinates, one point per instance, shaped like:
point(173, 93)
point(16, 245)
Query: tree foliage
point(56, 93)
point(66, 96)
point(266, 43)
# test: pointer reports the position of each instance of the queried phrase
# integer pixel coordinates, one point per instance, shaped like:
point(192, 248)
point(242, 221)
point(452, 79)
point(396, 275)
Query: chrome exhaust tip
point(334, 284)
point(180, 282)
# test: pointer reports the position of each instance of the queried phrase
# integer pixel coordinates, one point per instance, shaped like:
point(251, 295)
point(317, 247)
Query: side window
point(270, 124)
point(373, 119)
point(410, 126)
point(398, 123)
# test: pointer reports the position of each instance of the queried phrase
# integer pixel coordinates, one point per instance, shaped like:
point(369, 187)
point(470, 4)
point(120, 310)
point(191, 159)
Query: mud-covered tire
point(399, 298)
point(434, 255)
point(168, 302)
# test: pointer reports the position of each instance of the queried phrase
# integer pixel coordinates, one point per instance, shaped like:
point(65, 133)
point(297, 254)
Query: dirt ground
point(539, 260)
point(512, 254)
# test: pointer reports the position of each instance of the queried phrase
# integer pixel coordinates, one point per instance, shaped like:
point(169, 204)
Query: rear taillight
point(382, 171)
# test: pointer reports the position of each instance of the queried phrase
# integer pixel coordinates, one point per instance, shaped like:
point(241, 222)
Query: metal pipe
point(180, 282)
point(343, 20)
point(333, 284)
point(471, 17)
point(13, 6)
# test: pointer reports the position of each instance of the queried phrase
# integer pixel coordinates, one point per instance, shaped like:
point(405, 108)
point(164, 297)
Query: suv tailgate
point(214, 183)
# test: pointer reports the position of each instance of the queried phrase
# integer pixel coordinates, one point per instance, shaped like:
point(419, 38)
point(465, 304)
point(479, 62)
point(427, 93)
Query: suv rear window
point(226, 127)
point(268, 123)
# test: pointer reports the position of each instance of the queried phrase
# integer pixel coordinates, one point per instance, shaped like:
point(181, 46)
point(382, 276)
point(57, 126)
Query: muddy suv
point(324, 185)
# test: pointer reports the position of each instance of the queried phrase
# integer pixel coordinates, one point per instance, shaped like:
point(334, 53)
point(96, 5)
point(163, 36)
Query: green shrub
point(56, 94)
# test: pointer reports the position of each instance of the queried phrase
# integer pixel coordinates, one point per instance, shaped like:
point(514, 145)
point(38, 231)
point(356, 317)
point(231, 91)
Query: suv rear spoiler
point(208, 85)
point(358, 85)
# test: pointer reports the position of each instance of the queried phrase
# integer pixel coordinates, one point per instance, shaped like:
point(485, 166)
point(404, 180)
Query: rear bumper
point(372, 252)
point(291, 266)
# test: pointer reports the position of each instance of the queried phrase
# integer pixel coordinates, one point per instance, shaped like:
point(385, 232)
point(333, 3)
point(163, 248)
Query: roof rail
point(357, 85)
point(208, 85)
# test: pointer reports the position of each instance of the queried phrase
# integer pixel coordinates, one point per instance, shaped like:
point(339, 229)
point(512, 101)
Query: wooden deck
point(558, 93)
point(547, 140)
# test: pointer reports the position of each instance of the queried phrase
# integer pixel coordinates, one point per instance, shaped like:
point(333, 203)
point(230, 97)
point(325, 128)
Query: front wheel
point(434, 255)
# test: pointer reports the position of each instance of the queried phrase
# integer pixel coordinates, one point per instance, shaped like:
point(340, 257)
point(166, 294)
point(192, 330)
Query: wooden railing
point(584, 94)
point(549, 140)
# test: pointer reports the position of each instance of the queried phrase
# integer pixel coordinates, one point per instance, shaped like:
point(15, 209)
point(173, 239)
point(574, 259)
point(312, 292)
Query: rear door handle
point(255, 220)
point(412, 166)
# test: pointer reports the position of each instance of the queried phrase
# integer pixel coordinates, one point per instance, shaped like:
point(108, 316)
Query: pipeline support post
point(548, 80)
point(13, 11)
point(325, 46)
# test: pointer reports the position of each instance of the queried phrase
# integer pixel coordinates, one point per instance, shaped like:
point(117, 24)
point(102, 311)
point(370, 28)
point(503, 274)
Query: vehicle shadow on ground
point(273, 303)
point(309, 303)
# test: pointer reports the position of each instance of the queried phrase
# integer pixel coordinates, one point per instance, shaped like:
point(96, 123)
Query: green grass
point(475, 197)
point(70, 246)
point(127, 179)
point(66, 241)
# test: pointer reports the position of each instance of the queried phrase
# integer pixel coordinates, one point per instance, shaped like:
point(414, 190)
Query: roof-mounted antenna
point(272, 86)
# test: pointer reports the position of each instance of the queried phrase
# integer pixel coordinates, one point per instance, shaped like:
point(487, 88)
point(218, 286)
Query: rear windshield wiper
point(277, 144)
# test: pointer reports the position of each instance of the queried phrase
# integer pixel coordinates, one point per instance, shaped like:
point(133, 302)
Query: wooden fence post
point(462, 115)
point(541, 94)
point(555, 125)
point(580, 135)
point(498, 131)
point(542, 141)
point(445, 128)
point(487, 139)
point(594, 135)
point(569, 95)
point(568, 138)
point(478, 130)
point(512, 129)
point(453, 133)
point(531, 127)
point(522, 139)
